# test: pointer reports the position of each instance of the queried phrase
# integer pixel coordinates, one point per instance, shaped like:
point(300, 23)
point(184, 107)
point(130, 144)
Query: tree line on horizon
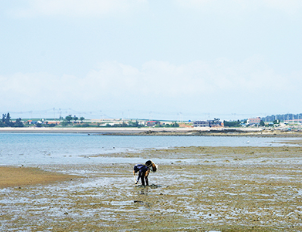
point(78, 121)
point(7, 122)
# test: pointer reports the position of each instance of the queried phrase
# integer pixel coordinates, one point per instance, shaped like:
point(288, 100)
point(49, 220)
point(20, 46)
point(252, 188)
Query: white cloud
point(79, 8)
point(203, 84)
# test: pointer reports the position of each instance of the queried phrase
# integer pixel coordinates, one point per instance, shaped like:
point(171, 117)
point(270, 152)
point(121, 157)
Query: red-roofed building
point(152, 123)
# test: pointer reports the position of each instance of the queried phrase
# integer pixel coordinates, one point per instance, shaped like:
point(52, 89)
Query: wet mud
point(201, 189)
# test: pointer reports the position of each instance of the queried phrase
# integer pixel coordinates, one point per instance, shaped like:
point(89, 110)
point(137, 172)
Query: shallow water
point(30, 149)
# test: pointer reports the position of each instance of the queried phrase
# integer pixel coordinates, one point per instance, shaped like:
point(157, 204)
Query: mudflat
point(195, 189)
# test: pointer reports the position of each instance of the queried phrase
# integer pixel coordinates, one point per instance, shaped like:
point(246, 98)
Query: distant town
point(284, 121)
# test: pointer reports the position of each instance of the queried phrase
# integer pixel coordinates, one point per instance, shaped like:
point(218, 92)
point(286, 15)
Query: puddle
point(121, 203)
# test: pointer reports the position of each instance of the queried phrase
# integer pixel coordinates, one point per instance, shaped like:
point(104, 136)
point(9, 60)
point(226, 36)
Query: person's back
point(140, 168)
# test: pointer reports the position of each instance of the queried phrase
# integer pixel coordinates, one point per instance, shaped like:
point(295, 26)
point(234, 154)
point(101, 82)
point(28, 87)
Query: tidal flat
point(199, 189)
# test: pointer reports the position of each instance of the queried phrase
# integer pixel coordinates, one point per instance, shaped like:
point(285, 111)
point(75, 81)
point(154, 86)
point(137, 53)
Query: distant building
point(208, 123)
point(152, 123)
point(52, 122)
point(215, 123)
point(33, 122)
point(252, 121)
point(201, 124)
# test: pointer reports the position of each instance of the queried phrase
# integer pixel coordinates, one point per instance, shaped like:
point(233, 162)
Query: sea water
point(64, 148)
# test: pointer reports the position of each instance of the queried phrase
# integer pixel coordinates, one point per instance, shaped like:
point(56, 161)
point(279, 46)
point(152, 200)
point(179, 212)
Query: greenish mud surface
point(206, 188)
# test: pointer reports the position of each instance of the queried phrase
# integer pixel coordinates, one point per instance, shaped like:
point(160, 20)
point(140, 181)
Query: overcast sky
point(171, 59)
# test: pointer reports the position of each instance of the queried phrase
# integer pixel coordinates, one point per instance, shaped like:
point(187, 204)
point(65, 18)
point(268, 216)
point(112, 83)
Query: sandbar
point(21, 176)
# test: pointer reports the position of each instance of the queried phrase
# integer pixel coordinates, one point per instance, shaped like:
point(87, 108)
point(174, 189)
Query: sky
point(152, 59)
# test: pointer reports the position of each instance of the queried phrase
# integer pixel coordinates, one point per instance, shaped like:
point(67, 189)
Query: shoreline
point(259, 132)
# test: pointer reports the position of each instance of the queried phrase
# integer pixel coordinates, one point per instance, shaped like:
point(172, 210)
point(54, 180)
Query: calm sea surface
point(32, 149)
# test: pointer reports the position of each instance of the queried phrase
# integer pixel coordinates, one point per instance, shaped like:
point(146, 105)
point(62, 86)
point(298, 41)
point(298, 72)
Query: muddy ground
point(200, 189)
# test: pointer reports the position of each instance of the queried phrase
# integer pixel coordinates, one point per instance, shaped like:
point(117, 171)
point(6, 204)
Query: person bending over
point(143, 171)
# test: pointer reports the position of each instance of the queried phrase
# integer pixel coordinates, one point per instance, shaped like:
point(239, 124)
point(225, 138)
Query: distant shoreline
point(200, 131)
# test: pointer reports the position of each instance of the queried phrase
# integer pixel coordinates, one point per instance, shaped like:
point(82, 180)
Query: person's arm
point(138, 177)
point(134, 177)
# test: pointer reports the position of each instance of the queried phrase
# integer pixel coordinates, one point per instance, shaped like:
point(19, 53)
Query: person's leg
point(143, 178)
point(135, 170)
point(146, 176)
